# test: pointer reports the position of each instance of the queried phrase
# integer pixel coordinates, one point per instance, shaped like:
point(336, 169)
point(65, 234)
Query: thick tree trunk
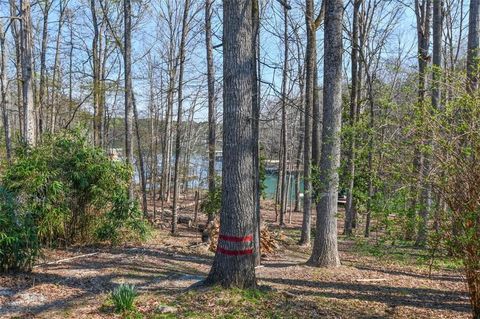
point(234, 262)
point(29, 131)
point(473, 45)
point(325, 248)
point(178, 137)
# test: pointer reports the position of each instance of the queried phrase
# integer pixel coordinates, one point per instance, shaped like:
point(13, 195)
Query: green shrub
point(123, 222)
point(123, 297)
point(66, 191)
point(19, 244)
point(213, 203)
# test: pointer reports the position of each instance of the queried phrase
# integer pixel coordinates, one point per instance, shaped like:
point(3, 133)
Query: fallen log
point(371, 279)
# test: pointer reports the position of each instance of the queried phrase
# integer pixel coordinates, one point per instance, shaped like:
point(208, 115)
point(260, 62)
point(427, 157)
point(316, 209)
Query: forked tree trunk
point(234, 262)
point(436, 100)
point(325, 248)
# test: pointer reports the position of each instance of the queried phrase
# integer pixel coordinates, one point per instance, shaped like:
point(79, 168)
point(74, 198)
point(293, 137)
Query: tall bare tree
point(43, 67)
point(423, 11)
point(473, 45)
point(256, 79)
point(29, 130)
point(283, 144)
point(349, 213)
point(4, 92)
point(312, 110)
point(211, 97)
point(325, 248)
point(127, 60)
point(97, 115)
point(178, 137)
point(437, 35)
point(16, 29)
point(307, 138)
point(234, 262)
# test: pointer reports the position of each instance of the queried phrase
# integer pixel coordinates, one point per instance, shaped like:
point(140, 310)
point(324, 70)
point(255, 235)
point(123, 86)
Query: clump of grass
point(123, 297)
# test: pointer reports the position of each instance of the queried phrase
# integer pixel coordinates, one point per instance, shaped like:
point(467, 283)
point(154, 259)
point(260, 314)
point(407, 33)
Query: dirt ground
point(75, 283)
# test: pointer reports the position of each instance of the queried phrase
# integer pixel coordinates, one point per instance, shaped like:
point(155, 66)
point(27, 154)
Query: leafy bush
point(66, 192)
point(123, 297)
point(122, 222)
point(213, 203)
point(19, 245)
point(457, 181)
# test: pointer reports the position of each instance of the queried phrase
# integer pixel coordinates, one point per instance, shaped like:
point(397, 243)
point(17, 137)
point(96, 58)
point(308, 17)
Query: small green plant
point(213, 203)
point(123, 297)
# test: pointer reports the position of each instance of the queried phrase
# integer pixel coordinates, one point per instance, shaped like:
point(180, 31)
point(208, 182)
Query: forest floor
point(374, 281)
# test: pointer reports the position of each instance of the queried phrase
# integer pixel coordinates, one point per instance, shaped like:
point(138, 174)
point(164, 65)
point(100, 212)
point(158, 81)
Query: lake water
point(199, 172)
point(271, 181)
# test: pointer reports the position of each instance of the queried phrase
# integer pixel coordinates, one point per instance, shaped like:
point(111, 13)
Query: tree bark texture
point(325, 248)
point(234, 262)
